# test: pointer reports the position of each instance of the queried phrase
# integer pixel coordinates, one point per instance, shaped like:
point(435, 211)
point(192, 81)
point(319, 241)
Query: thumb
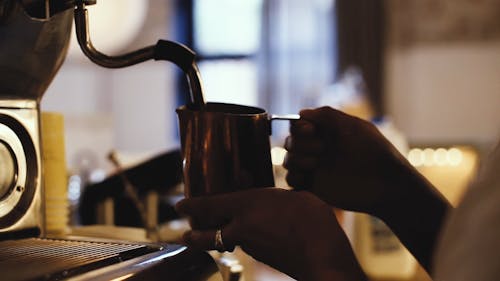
point(322, 117)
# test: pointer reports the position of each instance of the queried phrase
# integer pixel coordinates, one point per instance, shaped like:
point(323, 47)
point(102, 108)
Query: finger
point(317, 115)
point(305, 145)
point(211, 210)
point(303, 162)
point(323, 117)
point(302, 127)
point(299, 181)
point(207, 223)
point(204, 204)
point(206, 240)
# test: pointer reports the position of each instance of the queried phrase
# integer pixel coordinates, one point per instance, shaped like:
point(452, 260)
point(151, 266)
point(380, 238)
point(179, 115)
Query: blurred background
point(425, 71)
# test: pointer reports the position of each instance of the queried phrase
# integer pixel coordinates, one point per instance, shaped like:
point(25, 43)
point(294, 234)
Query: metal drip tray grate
point(50, 259)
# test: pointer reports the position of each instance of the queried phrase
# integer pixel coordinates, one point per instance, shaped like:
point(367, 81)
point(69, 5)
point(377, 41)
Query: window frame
point(185, 32)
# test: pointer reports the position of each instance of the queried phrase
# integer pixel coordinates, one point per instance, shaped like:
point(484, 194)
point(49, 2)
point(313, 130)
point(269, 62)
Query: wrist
point(416, 198)
point(405, 188)
point(338, 262)
point(416, 215)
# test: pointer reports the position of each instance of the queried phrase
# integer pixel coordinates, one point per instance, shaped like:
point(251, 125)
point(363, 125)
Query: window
point(227, 27)
point(275, 54)
point(226, 37)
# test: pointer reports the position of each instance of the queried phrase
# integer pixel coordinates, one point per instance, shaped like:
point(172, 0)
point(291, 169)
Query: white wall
point(446, 94)
point(143, 100)
point(131, 110)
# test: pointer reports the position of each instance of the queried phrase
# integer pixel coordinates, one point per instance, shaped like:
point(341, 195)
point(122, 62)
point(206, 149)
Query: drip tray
point(53, 259)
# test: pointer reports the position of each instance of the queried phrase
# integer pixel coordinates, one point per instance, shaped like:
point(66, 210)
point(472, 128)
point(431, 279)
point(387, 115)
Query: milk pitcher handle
point(286, 117)
point(289, 117)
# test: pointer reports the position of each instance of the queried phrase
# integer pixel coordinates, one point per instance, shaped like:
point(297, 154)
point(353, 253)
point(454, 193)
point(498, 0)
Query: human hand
point(345, 161)
point(294, 232)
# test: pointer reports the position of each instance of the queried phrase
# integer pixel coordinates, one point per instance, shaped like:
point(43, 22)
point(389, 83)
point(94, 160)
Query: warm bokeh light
point(429, 157)
point(416, 157)
point(440, 157)
point(278, 155)
point(449, 169)
point(454, 156)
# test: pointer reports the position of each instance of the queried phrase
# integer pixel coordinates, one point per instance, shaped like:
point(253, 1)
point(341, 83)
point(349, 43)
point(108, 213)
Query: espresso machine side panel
point(21, 173)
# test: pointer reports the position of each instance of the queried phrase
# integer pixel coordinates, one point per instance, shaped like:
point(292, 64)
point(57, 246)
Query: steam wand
point(174, 52)
point(130, 190)
point(146, 211)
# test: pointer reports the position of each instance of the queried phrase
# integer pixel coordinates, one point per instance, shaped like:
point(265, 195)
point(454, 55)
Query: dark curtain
point(361, 34)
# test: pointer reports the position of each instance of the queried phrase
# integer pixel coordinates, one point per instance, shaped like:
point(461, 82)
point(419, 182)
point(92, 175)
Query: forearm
point(328, 275)
point(340, 263)
point(417, 216)
point(344, 268)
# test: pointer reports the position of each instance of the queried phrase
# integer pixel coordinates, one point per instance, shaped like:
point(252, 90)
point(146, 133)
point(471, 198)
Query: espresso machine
point(34, 38)
point(31, 52)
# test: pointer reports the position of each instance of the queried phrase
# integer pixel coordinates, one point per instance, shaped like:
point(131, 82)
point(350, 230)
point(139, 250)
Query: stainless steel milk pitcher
point(225, 148)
